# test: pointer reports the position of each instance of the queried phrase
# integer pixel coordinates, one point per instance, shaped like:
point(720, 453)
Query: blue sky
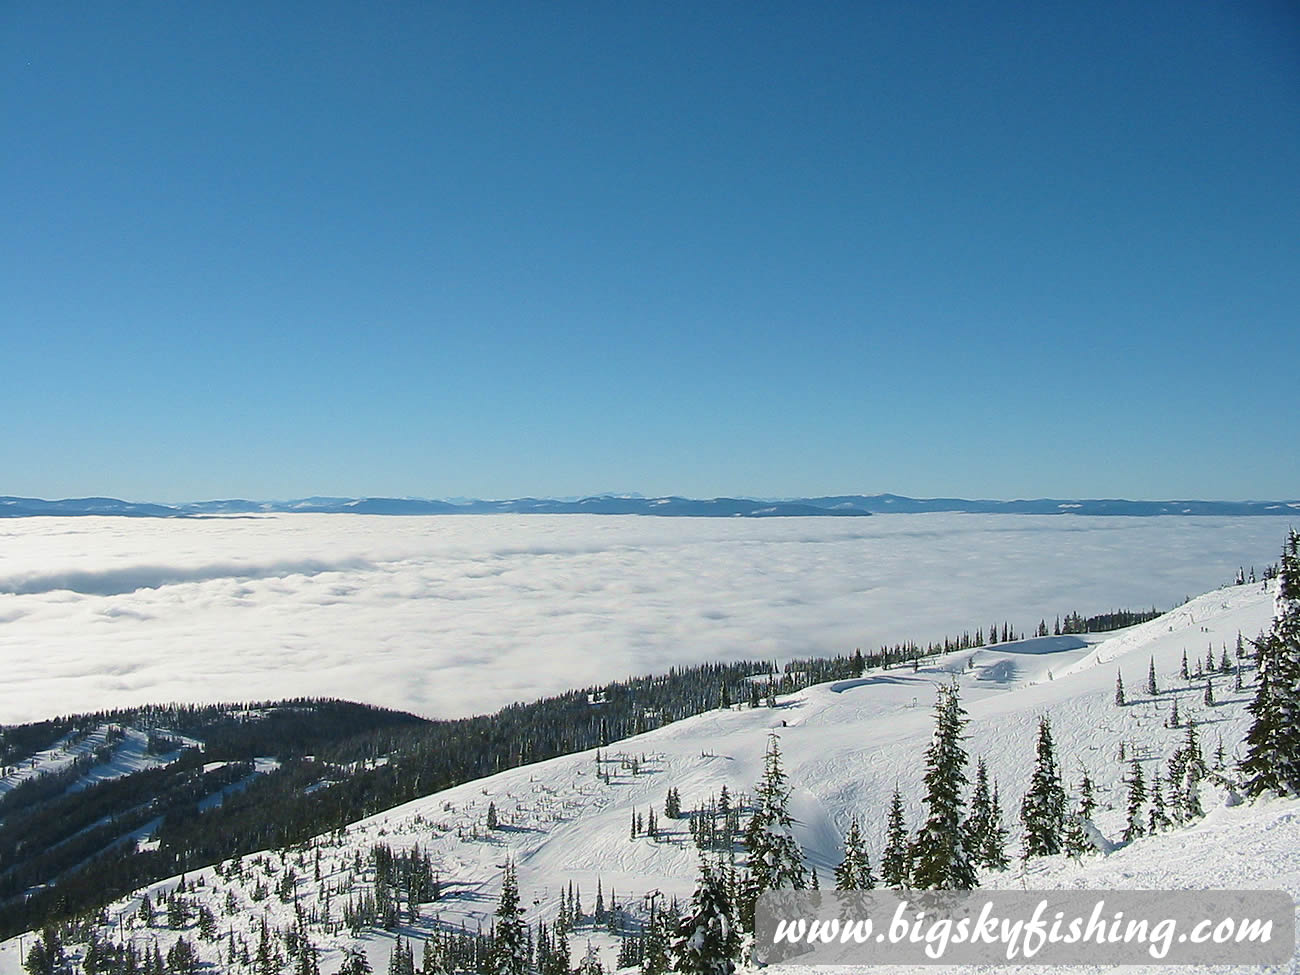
point(497, 249)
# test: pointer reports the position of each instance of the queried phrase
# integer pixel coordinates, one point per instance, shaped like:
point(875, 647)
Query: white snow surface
point(454, 615)
point(844, 745)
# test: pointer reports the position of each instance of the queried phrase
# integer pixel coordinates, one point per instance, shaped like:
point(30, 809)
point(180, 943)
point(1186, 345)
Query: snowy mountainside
point(845, 745)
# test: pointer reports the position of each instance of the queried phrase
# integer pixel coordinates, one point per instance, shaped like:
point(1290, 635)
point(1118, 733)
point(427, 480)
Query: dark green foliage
point(1272, 762)
point(510, 953)
point(1042, 812)
point(940, 857)
point(708, 937)
point(775, 860)
point(1137, 797)
point(985, 833)
point(895, 863)
point(854, 872)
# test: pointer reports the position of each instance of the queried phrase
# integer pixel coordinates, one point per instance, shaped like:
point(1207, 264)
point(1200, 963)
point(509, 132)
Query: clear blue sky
point(495, 249)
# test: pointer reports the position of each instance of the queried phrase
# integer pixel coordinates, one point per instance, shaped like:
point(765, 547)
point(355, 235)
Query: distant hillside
point(850, 505)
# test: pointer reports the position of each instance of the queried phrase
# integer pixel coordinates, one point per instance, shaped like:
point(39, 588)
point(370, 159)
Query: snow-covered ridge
point(845, 745)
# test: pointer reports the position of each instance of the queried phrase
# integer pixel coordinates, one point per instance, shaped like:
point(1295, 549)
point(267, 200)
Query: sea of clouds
point(453, 615)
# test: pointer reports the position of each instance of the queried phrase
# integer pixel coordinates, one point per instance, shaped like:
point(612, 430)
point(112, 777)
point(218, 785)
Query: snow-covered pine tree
point(775, 860)
point(708, 938)
point(854, 872)
point(355, 962)
point(979, 817)
point(1075, 843)
point(895, 864)
point(1208, 698)
point(658, 940)
point(940, 858)
point(1087, 802)
point(1186, 770)
point(1042, 813)
point(1119, 689)
point(1157, 818)
point(590, 964)
point(1137, 797)
point(510, 944)
point(993, 851)
point(1272, 762)
point(1152, 687)
point(1182, 671)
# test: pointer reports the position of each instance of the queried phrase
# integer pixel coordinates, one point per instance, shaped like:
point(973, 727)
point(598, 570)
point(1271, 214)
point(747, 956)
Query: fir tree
point(979, 818)
point(655, 955)
point(1087, 803)
point(1074, 842)
point(854, 871)
point(492, 816)
point(1137, 797)
point(355, 962)
point(993, 851)
point(1119, 689)
point(1152, 689)
point(1209, 693)
point(775, 860)
point(1157, 819)
point(510, 944)
point(1182, 671)
point(1042, 813)
point(895, 863)
point(1186, 770)
point(940, 859)
point(1272, 762)
point(708, 939)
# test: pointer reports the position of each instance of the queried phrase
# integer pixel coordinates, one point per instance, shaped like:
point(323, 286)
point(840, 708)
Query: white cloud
point(459, 614)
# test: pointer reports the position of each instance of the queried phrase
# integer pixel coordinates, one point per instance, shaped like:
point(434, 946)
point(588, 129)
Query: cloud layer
point(453, 615)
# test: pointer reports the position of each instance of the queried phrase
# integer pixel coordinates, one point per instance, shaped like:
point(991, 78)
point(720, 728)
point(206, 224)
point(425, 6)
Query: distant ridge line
point(849, 505)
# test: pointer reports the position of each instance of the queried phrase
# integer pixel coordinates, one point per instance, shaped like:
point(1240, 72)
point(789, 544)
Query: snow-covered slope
point(845, 746)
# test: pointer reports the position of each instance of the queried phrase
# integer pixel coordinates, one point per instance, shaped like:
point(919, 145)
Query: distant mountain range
point(848, 505)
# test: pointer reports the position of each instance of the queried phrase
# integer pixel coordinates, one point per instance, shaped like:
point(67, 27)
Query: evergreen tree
point(1157, 819)
point(978, 819)
point(1087, 803)
point(1152, 689)
point(1182, 671)
point(1137, 797)
point(510, 944)
point(895, 863)
point(1272, 762)
point(940, 858)
point(1042, 813)
point(1119, 689)
point(1186, 770)
point(993, 851)
point(658, 941)
point(708, 939)
point(854, 872)
point(673, 805)
point(1074, 842)
point(775, 860)
point(1209, 693)
point(492, 816)
point(355, 962)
